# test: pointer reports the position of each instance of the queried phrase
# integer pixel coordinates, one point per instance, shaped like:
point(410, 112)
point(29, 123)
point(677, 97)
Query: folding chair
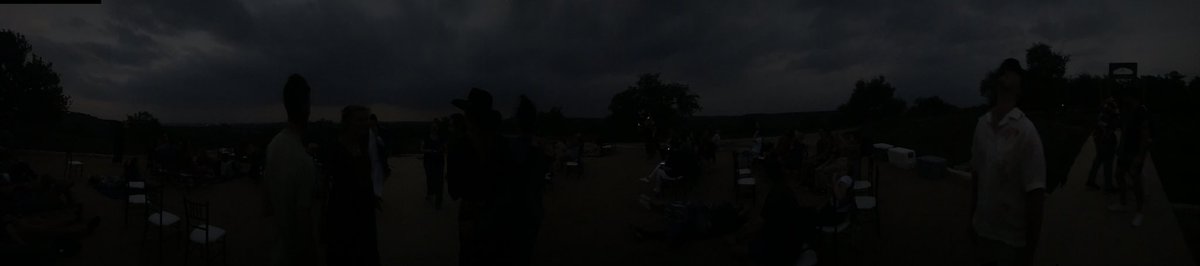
point(745, 183)
point(73, 167)
point(202, 233)
point(574, 162)
point(159, 218)
point(135, 195)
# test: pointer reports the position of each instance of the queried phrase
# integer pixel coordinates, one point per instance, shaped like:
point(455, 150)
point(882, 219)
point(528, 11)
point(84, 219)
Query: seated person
point(787, 227)
point(830, 171)
point(827, 148)
point(36, 196)
point(693, 220)
point(42, 233)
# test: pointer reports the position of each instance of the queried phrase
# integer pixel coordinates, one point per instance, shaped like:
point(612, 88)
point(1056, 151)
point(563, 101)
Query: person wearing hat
point(520, 209)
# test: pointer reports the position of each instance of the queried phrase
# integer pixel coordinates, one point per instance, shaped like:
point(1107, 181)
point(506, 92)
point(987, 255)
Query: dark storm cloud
point(199, 60)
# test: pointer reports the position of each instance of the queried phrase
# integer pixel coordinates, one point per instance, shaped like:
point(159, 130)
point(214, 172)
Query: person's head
point(1007, 83)
point(356, 120)
point(296, 100)
point(373, 120)
point(526, 116)
point(435, 128)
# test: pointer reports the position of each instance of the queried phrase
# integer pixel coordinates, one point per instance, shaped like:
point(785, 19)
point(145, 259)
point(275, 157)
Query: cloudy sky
point(227, 60)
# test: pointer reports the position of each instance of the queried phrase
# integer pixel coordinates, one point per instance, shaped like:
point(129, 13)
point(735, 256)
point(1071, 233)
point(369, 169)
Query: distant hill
point(75, 132)
point(79, 132)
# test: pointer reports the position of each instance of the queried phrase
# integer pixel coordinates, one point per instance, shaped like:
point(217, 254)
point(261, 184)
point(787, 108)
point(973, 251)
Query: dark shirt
point(1131, 130)
point(460, 161)
point(435, 151)
point(352, 206)
point(475, 168)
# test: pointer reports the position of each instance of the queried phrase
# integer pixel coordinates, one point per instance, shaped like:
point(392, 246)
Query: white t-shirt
point(1009, 162)
point(290, 176)
point(376, 167)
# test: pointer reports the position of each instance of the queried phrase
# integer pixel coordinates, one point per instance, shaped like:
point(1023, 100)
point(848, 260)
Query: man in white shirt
point(1009, 175)
point(290, 177)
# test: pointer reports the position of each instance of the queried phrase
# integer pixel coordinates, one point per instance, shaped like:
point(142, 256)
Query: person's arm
point(384, 153)
point(976, 163)
point(269, 179)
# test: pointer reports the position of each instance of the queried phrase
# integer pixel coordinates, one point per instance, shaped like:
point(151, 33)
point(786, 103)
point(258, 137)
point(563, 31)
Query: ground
point(924, 221)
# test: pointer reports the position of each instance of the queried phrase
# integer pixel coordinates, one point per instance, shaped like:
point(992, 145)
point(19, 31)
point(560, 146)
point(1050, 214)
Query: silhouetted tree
point(142, 128)
point(931, 106)
point(667, 103)
point(872, 99)
point(1045, 84)
point(1166, 93)
point(1087, 90)
point(28, 85)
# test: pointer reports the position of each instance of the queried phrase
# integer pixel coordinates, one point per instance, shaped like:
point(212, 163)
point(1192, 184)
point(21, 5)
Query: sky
point(226, 61)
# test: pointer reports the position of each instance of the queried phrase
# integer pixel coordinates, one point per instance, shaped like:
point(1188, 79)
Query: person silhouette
point(520, 211)
point(352, 201)
point(289, 180)
point(474, 179)
point(433, 147)
point(1008, 184)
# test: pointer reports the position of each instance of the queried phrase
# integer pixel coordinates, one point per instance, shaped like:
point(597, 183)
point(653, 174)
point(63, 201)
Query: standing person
point(650, 133)
point(434, 161)
point(521, 190)
point(1131, 156)
point(380, 170)
point(1105, 139)
point(352, 204)
point(476, 176)
point(457, 149)
point(290, 179)
point(1010, 175)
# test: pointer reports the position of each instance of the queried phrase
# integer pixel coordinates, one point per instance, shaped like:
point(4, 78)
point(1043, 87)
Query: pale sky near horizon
point(227, 60)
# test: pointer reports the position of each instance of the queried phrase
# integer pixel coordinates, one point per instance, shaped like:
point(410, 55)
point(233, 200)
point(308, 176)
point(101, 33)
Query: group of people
point(496, 179)
point(1131, 119)
point(683, 158)
point(344, 177)
point(174, 156)
point(1009, 166)
point(40, 218)
point(790, 223)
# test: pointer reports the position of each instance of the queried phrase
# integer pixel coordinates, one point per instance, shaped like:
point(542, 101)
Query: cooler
point(931, 166)
point(901, 157)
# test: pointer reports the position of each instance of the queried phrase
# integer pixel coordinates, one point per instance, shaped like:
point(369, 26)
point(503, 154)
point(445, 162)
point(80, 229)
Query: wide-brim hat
point(477, 100)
